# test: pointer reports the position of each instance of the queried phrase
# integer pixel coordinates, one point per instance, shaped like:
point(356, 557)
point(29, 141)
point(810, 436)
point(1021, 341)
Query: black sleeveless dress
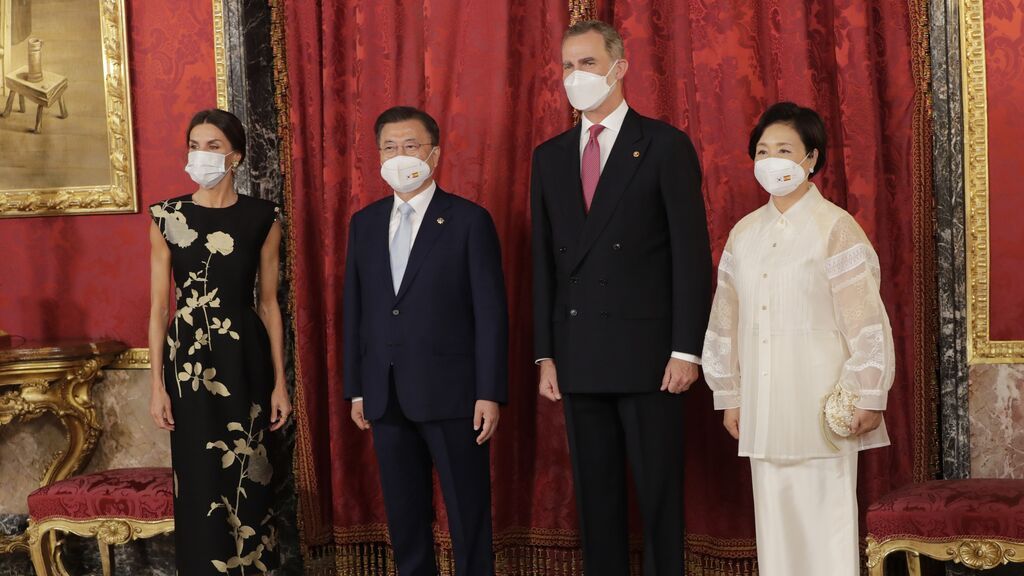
point(219, 374)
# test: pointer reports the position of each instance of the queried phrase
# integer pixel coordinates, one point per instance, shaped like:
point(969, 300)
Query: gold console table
point(56, 378)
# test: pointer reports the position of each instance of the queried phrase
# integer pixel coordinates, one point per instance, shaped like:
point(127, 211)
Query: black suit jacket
point(617, 290)
point(445, 334)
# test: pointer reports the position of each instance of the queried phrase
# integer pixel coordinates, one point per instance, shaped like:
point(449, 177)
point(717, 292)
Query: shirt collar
point(419, 202)
point(611, 122)
point(799, 213)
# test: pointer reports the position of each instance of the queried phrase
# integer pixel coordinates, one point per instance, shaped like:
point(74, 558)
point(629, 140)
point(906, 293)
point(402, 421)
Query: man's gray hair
point(612, 40)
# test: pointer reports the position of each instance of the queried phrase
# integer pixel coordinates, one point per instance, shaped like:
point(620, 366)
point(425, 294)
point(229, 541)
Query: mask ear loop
point(811, 169)
point(610, 70)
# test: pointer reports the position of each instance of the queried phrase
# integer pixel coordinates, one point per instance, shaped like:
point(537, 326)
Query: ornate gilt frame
point(138, 358)
point(220, 57)
point(44, 543)
point(120, 195)
point(974, 553)
point(981, 349)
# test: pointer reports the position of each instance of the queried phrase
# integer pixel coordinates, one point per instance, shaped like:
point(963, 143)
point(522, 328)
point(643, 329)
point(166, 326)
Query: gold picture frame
point(220, 54)
point(981, 348)
point(138, 358)
point(119, 194)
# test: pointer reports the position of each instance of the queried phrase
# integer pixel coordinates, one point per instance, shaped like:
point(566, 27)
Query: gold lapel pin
point(636, 153)
point(440, 220)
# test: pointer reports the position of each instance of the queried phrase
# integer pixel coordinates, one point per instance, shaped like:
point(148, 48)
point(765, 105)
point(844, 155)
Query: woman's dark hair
point(403, 113)
point(806, 122)
point(227, 122)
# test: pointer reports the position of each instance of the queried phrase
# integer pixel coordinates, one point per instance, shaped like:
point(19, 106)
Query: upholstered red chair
point(978, 523)
point(114, 506)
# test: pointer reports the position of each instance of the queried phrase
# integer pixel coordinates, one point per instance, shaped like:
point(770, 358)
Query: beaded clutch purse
point(837, 414)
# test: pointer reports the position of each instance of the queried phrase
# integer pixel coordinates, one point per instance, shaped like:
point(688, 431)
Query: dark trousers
point(406, 453)
point(603, 430)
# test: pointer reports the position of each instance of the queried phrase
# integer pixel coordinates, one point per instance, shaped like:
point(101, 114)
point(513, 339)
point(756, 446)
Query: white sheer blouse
point(796, 311)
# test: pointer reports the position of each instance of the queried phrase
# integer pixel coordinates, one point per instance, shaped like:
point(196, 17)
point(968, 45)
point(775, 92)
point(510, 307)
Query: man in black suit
point(622, 282)
point(426, 347)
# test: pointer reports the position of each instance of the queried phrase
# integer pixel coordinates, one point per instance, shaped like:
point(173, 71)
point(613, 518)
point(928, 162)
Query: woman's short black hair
point(227, 122)
point(403, 113)
point(808, 125)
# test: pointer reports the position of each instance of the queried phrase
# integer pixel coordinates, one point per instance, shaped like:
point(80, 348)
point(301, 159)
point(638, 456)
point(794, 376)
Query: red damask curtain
point(489, 73)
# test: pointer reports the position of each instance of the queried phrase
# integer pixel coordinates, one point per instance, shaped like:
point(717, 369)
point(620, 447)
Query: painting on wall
point(65, 109)
point(993, 79)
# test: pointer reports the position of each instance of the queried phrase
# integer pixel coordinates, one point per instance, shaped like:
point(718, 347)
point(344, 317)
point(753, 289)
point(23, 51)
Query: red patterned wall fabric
point(489, 74)
point(68, 277)
point(1004, 61)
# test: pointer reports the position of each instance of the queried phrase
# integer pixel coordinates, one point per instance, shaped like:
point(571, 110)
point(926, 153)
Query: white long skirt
point(806, 516)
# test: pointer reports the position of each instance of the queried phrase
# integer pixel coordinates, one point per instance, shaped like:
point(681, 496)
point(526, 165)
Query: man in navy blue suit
point(426, 347)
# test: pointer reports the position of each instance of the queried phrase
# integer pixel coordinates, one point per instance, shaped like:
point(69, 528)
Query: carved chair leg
point(105, 558)
point(878, 569)
point(41, 550)
point(913, 563)
point(57, 542)
point(35, 545)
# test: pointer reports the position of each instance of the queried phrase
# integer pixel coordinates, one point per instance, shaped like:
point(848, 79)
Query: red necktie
point(590, 167)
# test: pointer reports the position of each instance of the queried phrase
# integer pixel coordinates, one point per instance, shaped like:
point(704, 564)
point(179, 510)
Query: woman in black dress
point(218, 363)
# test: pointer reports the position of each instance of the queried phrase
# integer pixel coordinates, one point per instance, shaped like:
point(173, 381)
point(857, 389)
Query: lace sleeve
point(720, 358)
point(854, 275)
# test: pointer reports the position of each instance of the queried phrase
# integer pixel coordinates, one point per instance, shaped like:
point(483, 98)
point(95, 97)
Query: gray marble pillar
point(950, 246)
point(948, 185)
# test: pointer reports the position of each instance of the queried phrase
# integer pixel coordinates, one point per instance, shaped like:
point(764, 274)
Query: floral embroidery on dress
point(211, 353)
point(174, 226)
point(198, 375)
point(250, 455)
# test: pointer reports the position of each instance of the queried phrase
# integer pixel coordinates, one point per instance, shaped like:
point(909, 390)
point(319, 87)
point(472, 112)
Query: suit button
point(616, 246)
point(574, 280)
point(602, 282)
point(562, 250)
point(574, 313)
point(604, 314)
point(395, 312)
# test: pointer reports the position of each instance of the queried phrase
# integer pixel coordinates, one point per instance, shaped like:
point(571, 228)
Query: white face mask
point(206, 168)
point(780, 176)
point(405, 173)
point(587, 90)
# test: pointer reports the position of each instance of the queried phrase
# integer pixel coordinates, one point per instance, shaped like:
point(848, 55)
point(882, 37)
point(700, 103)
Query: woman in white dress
point(797, 311)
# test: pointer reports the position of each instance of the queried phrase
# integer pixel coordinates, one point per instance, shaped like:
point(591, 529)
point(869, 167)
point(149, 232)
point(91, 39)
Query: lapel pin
point(440, 220)
point(636, 153)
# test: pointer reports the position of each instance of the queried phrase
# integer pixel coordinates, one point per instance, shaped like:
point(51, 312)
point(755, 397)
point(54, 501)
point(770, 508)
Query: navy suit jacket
point(445, 334)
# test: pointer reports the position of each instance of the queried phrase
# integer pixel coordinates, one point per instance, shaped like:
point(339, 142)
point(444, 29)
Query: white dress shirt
point(798, 310)
point(606, 139)
point(419, 204)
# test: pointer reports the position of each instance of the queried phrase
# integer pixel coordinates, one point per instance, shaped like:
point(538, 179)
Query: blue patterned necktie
point(401, 245)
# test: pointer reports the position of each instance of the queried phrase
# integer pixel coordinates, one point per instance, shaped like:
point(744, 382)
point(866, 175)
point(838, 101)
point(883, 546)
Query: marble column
point(948, 186)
